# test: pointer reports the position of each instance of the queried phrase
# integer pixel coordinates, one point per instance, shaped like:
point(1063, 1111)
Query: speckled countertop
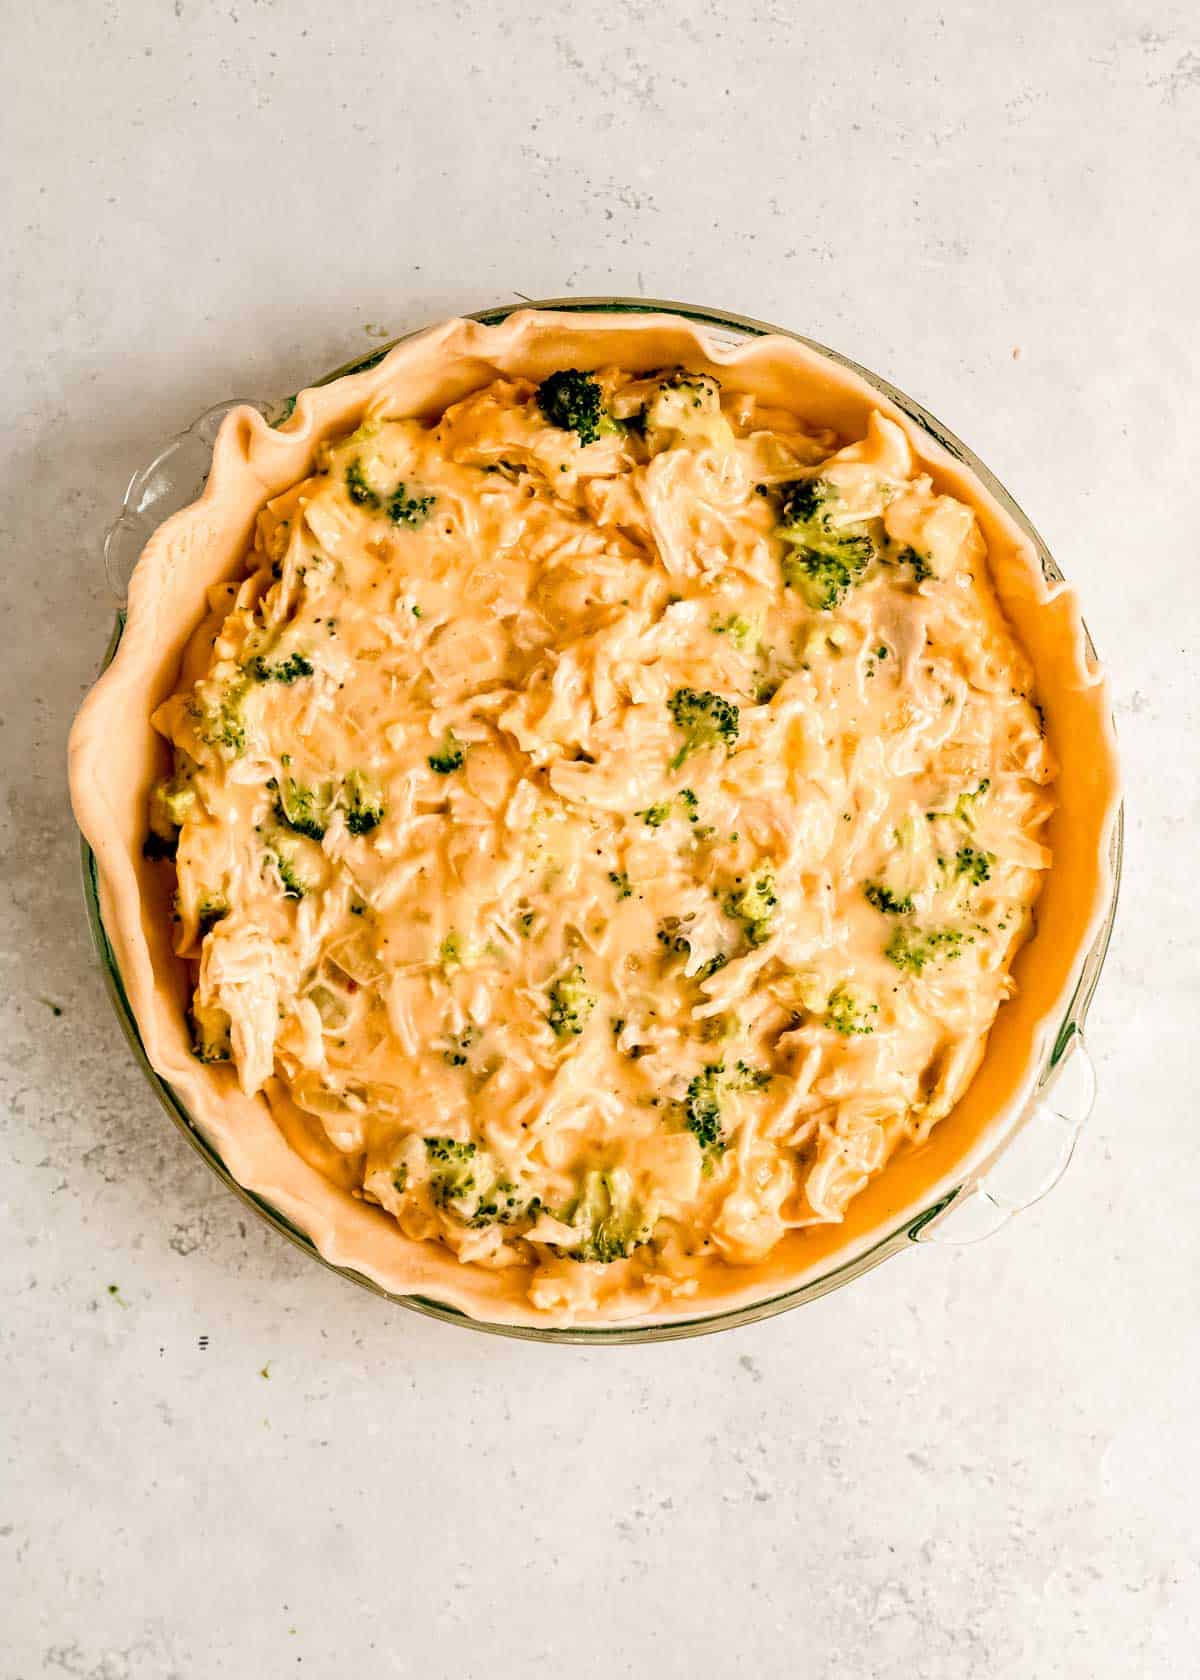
point(220, 1460)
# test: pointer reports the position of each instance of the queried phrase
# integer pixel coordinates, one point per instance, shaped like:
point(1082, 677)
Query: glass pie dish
point(982, 1177)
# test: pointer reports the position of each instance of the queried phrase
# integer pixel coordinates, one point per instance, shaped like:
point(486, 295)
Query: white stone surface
point(982, 1463)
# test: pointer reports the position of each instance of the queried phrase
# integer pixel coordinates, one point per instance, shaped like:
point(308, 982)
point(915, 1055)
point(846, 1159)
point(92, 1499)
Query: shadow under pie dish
point(511, 746)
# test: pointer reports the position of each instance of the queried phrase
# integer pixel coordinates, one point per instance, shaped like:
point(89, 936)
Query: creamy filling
point(609, 814)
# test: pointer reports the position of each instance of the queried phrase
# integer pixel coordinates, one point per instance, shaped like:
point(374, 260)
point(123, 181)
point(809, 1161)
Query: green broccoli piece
point(574, 402)
point(702, 1104)
point(754, 905)
point(741, 631)
point(826, 560)
point(359, 491)
point(845, 1015)
point(452, 1175)
point(293, 886)
point(964, 805)
point(620, 882)
point(412, 511)
point(365, 809)
point(963, 809)
point(918, 564)
point(219, 722)
point(685, 404)
point(975, 865)
point(450, 953)
point(455, 1055)
point(287, 670)
point(705, 719)
point(702, 1108)
point(912, 950)
point(448, 759)
point(171, 803)
point(656, 815)
point(210, 1033)
point(690, 803)
point(304, 810)
point(615, 1222)
point(885, 900)
point(283, 853)
point(502, 1204)
point(465, 1181)
point(213, 908)
point(747, 1078)
point(670, 937)
point(570, 1003)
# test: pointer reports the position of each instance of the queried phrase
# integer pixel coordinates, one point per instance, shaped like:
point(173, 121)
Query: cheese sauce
point(609, 814)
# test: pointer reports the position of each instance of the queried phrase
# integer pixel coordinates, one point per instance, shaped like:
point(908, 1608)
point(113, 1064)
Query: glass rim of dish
point(878, 1247)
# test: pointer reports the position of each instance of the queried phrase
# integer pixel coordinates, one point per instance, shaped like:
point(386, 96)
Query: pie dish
point(190, 560)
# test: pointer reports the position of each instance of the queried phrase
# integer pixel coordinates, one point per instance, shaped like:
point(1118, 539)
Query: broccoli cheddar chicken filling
point(607, 816)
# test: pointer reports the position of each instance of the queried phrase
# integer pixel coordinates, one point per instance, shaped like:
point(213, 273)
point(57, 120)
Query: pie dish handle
point(174, 478)
point(1032, 1162)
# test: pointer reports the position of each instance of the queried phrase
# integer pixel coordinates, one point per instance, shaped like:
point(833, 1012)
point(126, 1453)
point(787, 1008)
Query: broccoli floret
point(747, 1078)
point(690, 803)
point(210, 1034)
point(656, 815)
point(365, 809)
point(912, 950)
point(400, 507)
point(574, 402)
point(465, 1181)
point(412, 511)
point(706, 720)
point(213, 908)
point(452, 1175)
point(918, 564)
point(975, 865)
point(359, 491)
point(620, 882)
point(287, 670)
point(670, 936)
point(570, 1003)
point(826, 559)
point(219, 721)
point(702, 1105)
point(963, 809)
point(282, 854)
point(304, 810)
point(824, 580)
point(450, 953)
point(741, 631)
point(698, 389)
point(754, 904)
point(502, 1204)
point(293, 886)
point(884, 899)
point(614, 1221)
point(845, 1015)
point(448, 759)
point(171, 803)
point(686, 406)
point(964, 805)
point(455, 1054)
point(702, 1108)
